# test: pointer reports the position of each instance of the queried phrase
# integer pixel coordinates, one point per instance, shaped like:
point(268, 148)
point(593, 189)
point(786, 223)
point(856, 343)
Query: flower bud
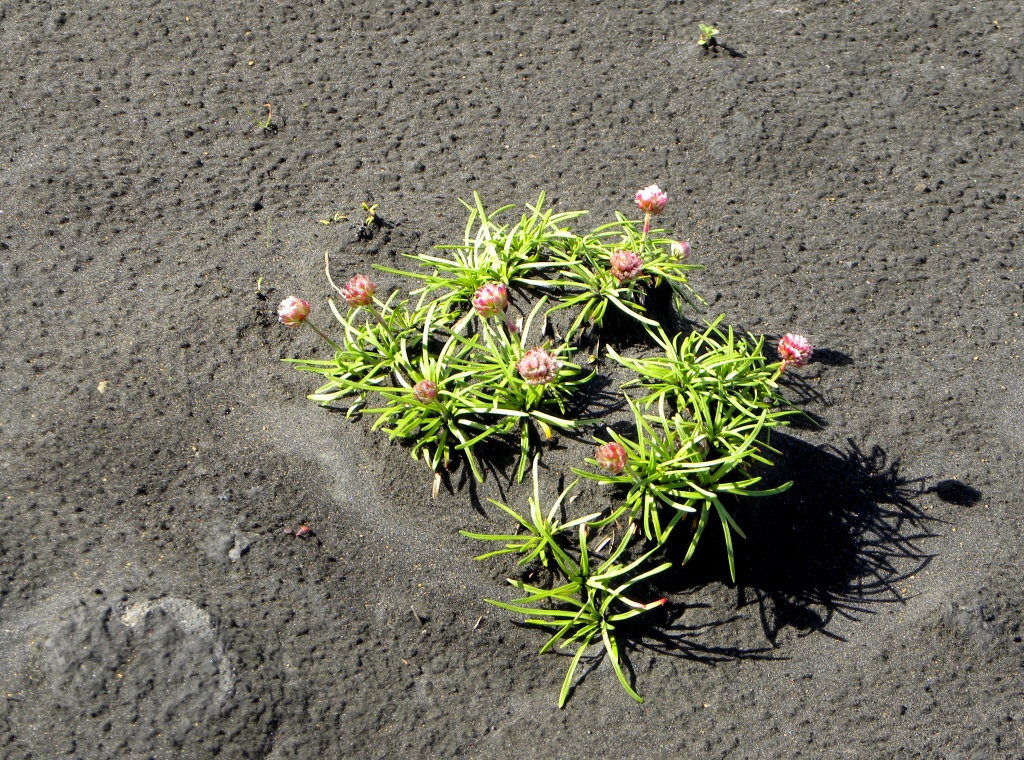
point(538, 367)
point(651, 200)
point(611, 457)
point(425, 391)
point(681, 249)
point(625, 265)
point(490, 299)
point(293, 311)
point(358, 291)
point(795, 350)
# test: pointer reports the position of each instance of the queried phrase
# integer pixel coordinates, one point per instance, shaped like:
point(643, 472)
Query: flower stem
point(321, 333)
point(647, 224)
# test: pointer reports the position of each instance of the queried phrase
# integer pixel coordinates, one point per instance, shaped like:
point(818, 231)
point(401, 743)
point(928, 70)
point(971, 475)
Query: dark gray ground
point(851, 171)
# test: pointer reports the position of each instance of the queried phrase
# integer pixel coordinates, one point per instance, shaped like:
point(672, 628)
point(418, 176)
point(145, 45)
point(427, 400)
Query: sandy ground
point(848, 170)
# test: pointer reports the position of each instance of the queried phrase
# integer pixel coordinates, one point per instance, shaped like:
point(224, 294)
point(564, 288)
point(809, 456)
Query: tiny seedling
point(336, 217)
point(371, 213)
point(259, 287)
point(264, 124)
point(707, 36)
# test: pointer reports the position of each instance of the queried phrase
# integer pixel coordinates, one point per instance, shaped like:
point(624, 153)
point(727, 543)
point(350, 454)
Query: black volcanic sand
point(852, 171)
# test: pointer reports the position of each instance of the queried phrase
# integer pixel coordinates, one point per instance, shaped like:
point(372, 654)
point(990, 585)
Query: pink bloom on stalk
point(538, 366)
point(625, 265)
point(611, 457)
point(293, 311)
point(651, 200)
point(681, 249)
point(490, 299)
point(425, 391)
point(795, 350)
point(358, 291)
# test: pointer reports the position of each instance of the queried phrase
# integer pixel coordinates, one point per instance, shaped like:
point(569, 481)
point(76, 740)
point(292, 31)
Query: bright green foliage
point(588, 605)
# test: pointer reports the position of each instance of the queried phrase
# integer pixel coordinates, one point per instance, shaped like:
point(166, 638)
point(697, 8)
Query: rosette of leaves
point(589, 605)
point(713, 377)
point(369, 348)
point(437, 425)
point(541, 530)
point(587, 282)
point(671, 471)
point(513, 255)
point(502, 392)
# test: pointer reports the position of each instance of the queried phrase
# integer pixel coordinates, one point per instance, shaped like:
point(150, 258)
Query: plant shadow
point(842, 541)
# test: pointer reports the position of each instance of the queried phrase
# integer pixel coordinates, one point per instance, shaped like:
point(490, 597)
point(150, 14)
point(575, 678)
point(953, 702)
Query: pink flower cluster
point(611, 457)
point(491, 299)
point(358, 291)
point(794, 349)
point(651, 200)
point(625, 265)
point(538, 367)
point(425, 391)
point(293, 311)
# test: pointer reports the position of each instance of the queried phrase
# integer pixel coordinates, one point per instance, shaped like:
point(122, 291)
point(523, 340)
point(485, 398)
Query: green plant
point(266, 125)
point(671, 471)
point(711, 376)
point(588, 605)
point(516, 384)
point(591, 280)
point(513, 256)
point(707, 36)
point(541, 532)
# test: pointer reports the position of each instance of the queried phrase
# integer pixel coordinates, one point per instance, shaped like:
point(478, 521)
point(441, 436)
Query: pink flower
point(611, 457)
point(358, 291)
point(538, 366)
point(795, 350)
point(490, 299)
point(293, 311)
point(625, 265)
point(681, 249)
point(425, 391)
point(651, 200)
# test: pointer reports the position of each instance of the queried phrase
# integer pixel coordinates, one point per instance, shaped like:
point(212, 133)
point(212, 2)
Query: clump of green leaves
point(448, 368)
point(589, 604)
point(707, 36)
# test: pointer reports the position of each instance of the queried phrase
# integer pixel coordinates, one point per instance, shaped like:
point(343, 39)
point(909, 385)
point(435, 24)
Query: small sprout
point(334, 219)
point(293, 311)
point(264, 124)
point(259, 286)
point(626, 266)
point(371, 213)
point(707, 37)
point(538, 367)
point(794, 349)
point(358, 291)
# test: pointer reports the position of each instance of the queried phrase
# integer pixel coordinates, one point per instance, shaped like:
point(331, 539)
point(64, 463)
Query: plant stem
point(321, 333)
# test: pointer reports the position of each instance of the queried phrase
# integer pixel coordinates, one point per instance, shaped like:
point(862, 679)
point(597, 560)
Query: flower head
point(538, 366)
point(611, 457)
point(651, 200)
point(490, 299)
point(358, 291)
point(625, 265)
point(795, 350)
point(681, 249)
point(293, 311)
point(425, 391)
